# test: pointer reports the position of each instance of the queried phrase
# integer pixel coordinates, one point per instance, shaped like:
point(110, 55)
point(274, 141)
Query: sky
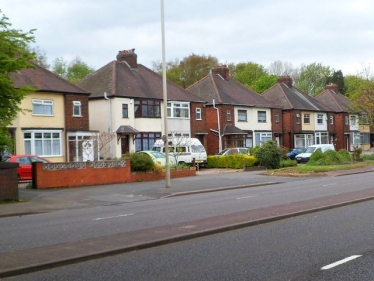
point(335, 33)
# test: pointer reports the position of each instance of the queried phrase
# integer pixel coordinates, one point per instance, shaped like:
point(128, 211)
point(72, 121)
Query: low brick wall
point(75, 174)
point(8, 181)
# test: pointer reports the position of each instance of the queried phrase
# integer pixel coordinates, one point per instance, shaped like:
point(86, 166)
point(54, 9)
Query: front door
point(124, 144)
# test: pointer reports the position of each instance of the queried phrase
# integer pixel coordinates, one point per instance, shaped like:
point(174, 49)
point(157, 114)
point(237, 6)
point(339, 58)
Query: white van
point(304, 157)
point(183, 150)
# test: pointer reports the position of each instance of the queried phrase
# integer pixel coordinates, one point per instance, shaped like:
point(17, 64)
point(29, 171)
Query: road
point(20, 233)
point(307, 247)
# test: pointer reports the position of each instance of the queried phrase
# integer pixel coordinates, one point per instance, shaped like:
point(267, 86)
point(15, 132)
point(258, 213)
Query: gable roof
point(333, 99)
point(227, 91)
point(290, 97)
point(44, 80)
point(119, 79)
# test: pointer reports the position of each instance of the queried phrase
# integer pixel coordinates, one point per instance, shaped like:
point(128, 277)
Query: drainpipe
point(110, 123)
point(219, 128)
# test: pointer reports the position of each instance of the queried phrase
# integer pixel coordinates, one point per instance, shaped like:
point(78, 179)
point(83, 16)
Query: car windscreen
point(197, 148)
point(310, 149)
point(158, 155)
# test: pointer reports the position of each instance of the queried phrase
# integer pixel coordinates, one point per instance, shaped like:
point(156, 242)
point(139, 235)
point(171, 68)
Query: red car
point(25, 164)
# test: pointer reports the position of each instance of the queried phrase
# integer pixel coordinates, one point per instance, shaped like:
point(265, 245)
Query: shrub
point(287, 163)
point(268, 155)
point(345, 156)
point(334, 156)
point(318, 158)
point(234, 161)
point(357, 151)
point(141, 162)
point(284, 151)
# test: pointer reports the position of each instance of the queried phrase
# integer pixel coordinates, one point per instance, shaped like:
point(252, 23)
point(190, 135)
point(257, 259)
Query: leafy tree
point(248, 73)
point(74, 71)
point(269, 155)
point(14, 56)
point(189, 70)
point(338, 79)
point(264, 83)
point(312, 78)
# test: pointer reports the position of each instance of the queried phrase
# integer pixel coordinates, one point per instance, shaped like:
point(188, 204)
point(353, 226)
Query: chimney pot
point(286, 80)
point(128, 56)
point(222, 70)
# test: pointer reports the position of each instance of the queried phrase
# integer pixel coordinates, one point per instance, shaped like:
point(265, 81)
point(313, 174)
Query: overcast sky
point(336, 33)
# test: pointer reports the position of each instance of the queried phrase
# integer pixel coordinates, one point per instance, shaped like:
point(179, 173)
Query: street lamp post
point(166, 145)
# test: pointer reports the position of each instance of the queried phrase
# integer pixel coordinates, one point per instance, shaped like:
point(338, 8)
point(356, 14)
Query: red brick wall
point(340, 128)
point(44, 179)
point(76, 123)
point(8, 181)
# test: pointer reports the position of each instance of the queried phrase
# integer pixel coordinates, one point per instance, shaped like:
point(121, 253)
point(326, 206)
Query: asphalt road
point(336, 244)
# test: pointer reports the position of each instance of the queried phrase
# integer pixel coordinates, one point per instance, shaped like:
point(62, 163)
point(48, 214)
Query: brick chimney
point(333, 87)
point(128, 56)
point(286, 80)
point(222, 70)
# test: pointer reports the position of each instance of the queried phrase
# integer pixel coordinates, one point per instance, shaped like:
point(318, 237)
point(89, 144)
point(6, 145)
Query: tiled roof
point(293, 98)
point(120, 80)
point(44, 81)
point(127, 130)
point(336, 101)
point(227, 91)
point(232, 130)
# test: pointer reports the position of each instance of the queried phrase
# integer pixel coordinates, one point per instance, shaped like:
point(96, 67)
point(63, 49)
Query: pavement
point(207, 180)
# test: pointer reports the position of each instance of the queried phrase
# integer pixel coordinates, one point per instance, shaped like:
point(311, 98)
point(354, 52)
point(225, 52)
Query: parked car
point(25, 164)
point(233, 150)
point(295, 151)
point(304, 157)
point(157, 157)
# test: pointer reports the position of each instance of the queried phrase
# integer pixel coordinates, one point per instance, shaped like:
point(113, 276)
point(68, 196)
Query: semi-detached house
point(234, 115)
point(54, 123)
point(127, 102)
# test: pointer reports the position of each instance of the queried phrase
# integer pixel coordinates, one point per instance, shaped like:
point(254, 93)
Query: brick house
point(306, 121)
point(350, 129)
point(127, 100)
point(233, 115)
point(55, 123)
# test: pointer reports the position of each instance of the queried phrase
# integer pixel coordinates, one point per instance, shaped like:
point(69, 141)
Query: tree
point(280, 68)
point(249, 72)
point(338, 79)
point(189, 70)
point(40, 56)
point(14, 56)
point(312, 78)
point(74, 71)
point(264, 83)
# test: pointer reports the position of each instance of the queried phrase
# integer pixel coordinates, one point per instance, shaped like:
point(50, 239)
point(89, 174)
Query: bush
point(319, 158)
point(288, 163)
point(345, 156)
point(141, 162)
point(284, 151)
point(357, 151)
point(268, 155)
point(234, 161)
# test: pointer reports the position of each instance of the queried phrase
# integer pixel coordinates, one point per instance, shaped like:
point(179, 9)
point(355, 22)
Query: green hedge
point(231, 161)
point(329, 157)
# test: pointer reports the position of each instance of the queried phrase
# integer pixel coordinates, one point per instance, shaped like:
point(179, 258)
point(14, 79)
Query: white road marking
point(329, 184)
point(246, 197)
point(341, 262)
point(125, 215)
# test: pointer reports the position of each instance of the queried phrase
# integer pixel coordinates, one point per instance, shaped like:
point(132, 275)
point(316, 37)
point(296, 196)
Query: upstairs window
point(147, 108)
point(306, 118)
point(242, 115)
point(331, 120)
point(298, 119)
point(320, 119)
point(42, 107)
point(77, 108)
point(198, 113)
point(261, 116)
point(277, 117)
point(346, 120)
point(179, 109)
point(353, 121)
point(228, 115)
point(125, 110)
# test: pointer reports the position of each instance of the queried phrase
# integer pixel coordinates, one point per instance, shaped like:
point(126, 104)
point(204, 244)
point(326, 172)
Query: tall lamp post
point(167, 165)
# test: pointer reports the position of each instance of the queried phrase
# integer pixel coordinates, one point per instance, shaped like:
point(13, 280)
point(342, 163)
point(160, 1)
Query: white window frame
point(198, 113)
point(297, 119)
point(331, 120)
point(346, 120)
point(242, 115)
point(353, 120)
point(77, 105)
point(228, 115)
point(320, 119)
point(178, 110)
point(43, 142)
point(277, 117)
point(306, 115)
point(40, 107)
point(261, 116)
